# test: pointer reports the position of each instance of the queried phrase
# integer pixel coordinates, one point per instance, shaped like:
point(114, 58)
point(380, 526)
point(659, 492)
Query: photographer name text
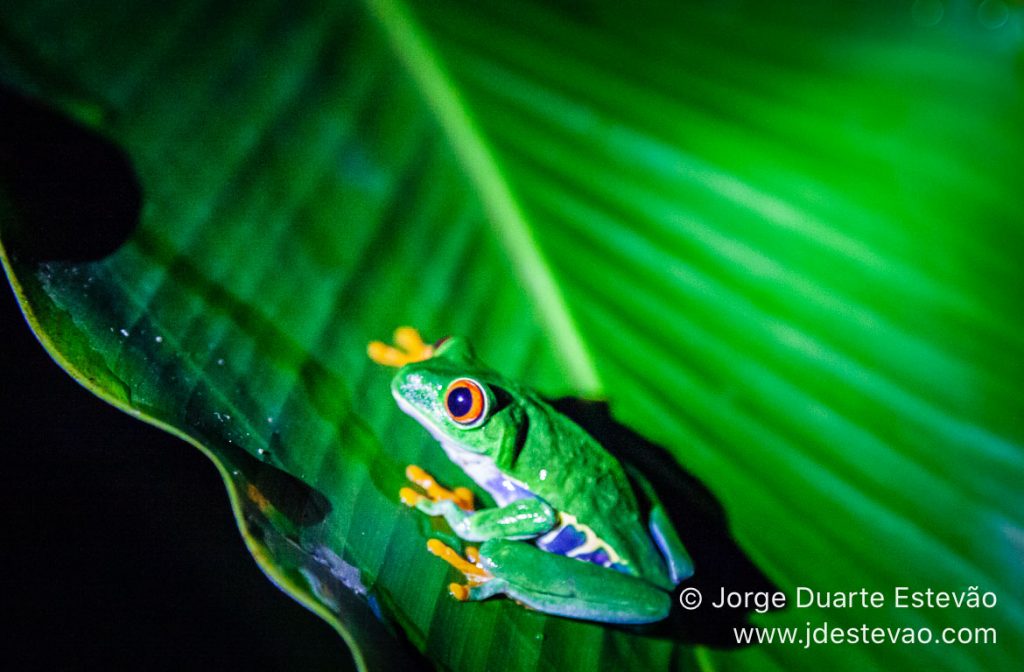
point(901, 597)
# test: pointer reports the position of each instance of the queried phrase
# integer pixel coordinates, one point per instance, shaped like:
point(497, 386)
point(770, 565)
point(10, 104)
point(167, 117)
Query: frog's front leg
point(554, 584)
point(521, 519)
point(463, 497)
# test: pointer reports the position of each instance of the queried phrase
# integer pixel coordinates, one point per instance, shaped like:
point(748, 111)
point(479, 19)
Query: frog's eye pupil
point(459, 402)
point(465, 401)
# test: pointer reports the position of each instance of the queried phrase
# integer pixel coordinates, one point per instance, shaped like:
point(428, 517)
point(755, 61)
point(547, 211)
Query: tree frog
point(569, 534)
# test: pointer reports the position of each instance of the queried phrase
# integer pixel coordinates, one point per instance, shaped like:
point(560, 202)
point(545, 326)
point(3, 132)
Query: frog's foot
point(461, 497)
point(479, 581)
point(411, 348)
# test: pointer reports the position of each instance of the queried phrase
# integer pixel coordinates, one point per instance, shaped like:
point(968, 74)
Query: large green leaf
point(783, 242)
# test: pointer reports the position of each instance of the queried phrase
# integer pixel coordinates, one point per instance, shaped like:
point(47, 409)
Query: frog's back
point(600, 519)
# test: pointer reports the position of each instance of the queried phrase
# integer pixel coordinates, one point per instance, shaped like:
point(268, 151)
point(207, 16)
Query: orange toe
point(409, 496)
point(460, 593)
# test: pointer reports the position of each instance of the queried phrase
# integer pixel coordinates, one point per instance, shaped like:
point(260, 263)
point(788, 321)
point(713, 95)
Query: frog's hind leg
point(468, 566)
point(680, 565)
point(564, 586)
point(677, 559)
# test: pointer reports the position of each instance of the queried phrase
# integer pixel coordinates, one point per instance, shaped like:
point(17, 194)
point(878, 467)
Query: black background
point(119, 546)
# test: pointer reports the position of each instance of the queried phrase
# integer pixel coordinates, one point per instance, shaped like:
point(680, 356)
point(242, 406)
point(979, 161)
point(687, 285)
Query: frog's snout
point(415, 392)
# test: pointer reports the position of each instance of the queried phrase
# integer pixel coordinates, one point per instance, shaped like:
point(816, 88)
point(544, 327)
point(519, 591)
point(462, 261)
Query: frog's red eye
point(465, 401)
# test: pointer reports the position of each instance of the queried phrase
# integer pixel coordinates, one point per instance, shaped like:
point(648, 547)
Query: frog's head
point(458, 398)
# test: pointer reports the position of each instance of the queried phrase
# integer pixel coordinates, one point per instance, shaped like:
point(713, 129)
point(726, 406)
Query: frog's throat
point(481, 468)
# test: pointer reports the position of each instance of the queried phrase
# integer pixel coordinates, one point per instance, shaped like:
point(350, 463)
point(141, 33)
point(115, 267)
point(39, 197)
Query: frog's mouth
point(419, 416)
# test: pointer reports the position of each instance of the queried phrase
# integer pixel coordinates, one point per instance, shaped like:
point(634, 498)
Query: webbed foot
point(411, 348)
point(477, 577)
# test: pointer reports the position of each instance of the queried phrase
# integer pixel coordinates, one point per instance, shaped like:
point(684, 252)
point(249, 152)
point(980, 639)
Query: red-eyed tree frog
point(568, 535)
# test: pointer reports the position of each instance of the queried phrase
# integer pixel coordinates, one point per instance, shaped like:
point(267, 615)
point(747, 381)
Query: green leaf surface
point(783, 242)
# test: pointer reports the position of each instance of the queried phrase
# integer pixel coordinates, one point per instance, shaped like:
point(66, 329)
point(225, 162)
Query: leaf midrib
point(514, 231)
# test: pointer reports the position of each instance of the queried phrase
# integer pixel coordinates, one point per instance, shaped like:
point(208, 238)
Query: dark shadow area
point(719, 563)
point(300, 504)
point(75, 194)
point(121, 550)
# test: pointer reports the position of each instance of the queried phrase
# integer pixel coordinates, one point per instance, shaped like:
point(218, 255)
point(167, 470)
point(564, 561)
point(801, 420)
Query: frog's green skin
point(546, 473)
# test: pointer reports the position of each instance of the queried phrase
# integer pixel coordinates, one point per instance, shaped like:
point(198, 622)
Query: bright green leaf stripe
point(416, 54)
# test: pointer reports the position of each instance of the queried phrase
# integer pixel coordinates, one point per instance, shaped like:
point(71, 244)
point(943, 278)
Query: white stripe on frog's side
point(481, 468)
point(502, 487)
